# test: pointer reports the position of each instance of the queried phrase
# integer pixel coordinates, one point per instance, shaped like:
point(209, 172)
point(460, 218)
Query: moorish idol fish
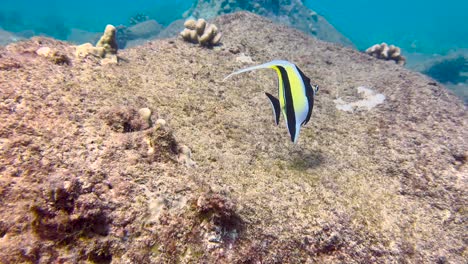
point(296, 94)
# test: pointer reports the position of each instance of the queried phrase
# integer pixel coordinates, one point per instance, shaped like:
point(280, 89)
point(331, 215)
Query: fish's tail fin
point(262, 66)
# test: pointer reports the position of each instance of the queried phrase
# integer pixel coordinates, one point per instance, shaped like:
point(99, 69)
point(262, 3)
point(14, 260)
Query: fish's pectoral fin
point(275, 104)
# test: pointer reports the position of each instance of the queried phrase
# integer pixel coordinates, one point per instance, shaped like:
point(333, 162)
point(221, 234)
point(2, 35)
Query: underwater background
point(429, 27)
point(416, 26)
point(433, 36)
point(133, 147)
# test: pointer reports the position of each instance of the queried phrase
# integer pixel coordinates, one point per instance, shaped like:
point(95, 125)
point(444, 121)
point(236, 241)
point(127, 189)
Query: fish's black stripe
point(290, 114)
point(309, 94)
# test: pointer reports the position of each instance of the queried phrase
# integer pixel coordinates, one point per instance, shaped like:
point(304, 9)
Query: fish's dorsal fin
point(261, 66)
point(275, 104)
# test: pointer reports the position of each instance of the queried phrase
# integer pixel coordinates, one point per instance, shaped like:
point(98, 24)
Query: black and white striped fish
point(295, 93)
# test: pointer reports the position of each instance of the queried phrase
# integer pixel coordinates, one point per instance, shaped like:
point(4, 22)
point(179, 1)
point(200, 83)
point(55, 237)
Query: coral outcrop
point(199, 31)
point(105, 48)
point(108, 41)
point(292, 13)
point(97, 164)
point(387, 52)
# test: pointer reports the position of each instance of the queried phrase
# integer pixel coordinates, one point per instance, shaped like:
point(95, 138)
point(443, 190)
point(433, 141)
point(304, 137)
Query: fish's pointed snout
point(315, 88)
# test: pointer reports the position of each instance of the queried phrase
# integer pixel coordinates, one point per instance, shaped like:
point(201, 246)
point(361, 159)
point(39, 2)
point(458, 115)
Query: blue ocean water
point(56, 17)
point(426, 26)
point(417, 26)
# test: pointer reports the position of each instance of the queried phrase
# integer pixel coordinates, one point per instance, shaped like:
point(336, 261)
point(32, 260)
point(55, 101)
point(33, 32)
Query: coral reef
point(386, 52)
point(96, 161)
point(199, 31)
point(292, 13)
point(105, 48)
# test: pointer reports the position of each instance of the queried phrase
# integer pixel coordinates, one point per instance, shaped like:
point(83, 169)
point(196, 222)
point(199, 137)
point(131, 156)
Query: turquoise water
point(416, 26)
point(428, 26)
point(56, 17)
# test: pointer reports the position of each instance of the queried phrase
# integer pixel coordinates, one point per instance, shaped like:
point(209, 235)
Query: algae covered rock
point(53, 55)
point(199, 31)
point(126, 119)
point(98, 163)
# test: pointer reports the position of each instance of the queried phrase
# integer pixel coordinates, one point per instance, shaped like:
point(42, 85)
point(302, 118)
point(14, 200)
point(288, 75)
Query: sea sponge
point(199, 31)
point(386, 52)
point(105, 48)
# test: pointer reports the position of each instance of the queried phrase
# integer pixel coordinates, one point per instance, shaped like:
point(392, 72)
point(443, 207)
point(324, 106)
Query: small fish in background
point(295, 93)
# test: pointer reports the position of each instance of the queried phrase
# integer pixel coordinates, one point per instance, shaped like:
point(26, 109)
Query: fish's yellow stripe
point(281, 98)
point(297, 90)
